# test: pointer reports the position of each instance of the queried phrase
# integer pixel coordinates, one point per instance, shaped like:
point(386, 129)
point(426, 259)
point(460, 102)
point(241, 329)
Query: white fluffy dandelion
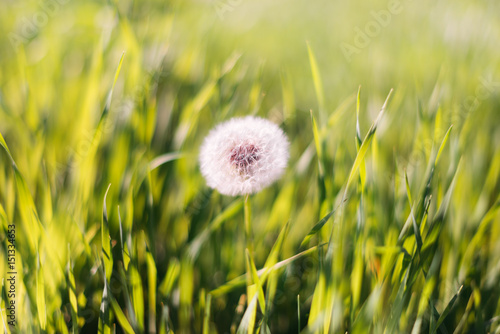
point(243, 155)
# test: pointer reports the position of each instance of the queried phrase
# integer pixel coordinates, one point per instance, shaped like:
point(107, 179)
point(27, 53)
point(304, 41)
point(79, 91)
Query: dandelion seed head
point(244, 155)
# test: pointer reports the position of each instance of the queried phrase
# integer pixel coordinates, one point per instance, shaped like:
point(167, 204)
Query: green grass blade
point(173, 271)
point(137, 296)
point(254, 278)
point(6, 148)
point(232, 210)
point(317, 228)
point(40, 295)
point(318, 142)
point(152, 274)
point(3, 302)
point(163, 159)
point(298, 314)
point(318, 84)
point(366, 144)
point(123, 245)
point(110, 93)
point(446, 311)
point(262, 273)
point(358, 128)
point(340, 111)
point(443, 144)
point(120, 316)
point(104, 316)
point(247, 323)
point(416, 229)
point(272, 258)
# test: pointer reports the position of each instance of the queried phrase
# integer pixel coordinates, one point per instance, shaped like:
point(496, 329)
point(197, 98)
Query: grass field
point(387, 219)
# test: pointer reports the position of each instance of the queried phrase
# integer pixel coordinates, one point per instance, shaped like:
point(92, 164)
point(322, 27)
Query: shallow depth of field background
point(420, 256)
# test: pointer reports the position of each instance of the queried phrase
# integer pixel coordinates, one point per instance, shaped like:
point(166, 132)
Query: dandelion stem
point(248, 225)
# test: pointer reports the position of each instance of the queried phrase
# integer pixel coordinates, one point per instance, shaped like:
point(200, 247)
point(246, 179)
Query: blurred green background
point(188, 65)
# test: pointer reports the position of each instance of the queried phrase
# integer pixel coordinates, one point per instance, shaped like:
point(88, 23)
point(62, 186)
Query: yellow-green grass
point(387, 219)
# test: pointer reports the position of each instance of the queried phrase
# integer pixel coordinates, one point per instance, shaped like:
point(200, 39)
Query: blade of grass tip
point(104, 319)
point(28, 211)
point(317, 228)
point(358, 128)
point(359, 141)
point(120, 316)
point(2, 306)
point(340, 110)
point(123, 280)
point(206, 316)
point(252, 271)
point(271, 288)
point(272, 277)
point(137, 296)
point(443, 208)
point(416, 229)
point(425, 192)
point(366, 143)
point(106, 240)
point(40, 294)
point(151, 212)
point(477, 239)
point(318, 84)
point(247, 323)
point(195, 245)
point(447, 310)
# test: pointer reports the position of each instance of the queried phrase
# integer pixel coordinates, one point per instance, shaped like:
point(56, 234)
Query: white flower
point(243, 155)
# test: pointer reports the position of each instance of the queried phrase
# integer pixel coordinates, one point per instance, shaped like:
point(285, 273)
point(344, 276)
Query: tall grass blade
point(120, 316)
point(106, 240)
point(318, 84)
point(366, 144)
point(247, 323)
point(40, 295)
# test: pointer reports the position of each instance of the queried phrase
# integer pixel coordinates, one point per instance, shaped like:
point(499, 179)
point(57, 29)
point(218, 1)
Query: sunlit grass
point(387, 218)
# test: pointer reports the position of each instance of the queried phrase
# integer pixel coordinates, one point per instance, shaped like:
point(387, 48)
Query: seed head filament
point(243, 158)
